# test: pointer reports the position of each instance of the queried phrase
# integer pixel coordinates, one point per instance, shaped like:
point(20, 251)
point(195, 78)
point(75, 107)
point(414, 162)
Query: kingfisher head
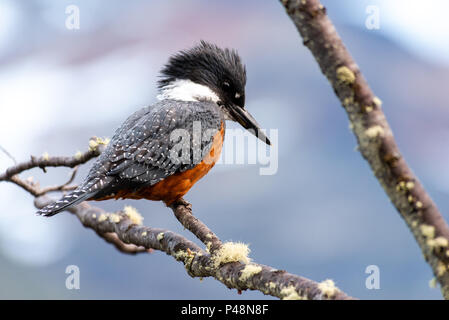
point(209, 73)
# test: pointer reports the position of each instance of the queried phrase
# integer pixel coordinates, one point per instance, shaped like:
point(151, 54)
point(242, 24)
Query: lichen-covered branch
point(374, 135)
point(227, 262)
point(113, 239)
point(183, 212)
point(96, 146)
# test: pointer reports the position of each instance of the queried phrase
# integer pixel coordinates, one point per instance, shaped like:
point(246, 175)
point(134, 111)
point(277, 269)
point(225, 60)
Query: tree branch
point(183, 212)
point(63, 187)
point(374, 135)
point(227, 262)
point(96, 146)
point(113, 239)
point(240, 275)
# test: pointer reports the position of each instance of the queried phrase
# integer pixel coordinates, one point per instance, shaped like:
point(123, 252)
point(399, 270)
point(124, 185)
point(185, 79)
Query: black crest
point(207, 64)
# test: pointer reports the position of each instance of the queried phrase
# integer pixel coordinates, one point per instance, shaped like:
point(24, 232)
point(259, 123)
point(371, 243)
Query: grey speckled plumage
point(200, 88)
point(138, 154)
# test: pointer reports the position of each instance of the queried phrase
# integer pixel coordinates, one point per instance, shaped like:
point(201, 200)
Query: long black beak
point(248, 122)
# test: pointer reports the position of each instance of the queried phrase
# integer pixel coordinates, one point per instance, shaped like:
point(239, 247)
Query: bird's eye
point(237, 95)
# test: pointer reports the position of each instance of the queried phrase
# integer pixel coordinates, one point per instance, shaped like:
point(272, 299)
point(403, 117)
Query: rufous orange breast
point(177, 185)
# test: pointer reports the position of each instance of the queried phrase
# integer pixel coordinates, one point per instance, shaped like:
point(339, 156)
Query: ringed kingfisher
point(206, 85)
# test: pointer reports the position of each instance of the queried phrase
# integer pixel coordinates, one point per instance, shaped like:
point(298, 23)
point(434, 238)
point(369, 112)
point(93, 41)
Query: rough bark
point(374, 135)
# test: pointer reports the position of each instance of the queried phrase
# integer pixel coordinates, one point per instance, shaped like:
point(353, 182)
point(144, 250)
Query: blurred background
point(322, 215)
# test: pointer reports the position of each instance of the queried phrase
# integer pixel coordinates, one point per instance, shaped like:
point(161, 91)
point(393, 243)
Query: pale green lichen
point(374, 131)
point(441, 269)
point(94, 215)
point(115, 218)
point(347, 101)
point(345, 74)
point(102, 217)
point(45, 156)
point(208, 246)
point(410, 185)
point(231, 252)
point(249, 271)
point(433, 283)
point(143, 234)
point(368, 109)
point(160, 236)
point(427, 231)
point(94, 143)
point(328, 288)
point(290, 293)
point(439, 242)
point(377, 101)
point(186, 256)
point(419, 204)
point(78, 155)
point(133, 215)
point(180, 255)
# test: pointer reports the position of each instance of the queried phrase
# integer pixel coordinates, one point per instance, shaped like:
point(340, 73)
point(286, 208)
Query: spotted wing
point(150, 145)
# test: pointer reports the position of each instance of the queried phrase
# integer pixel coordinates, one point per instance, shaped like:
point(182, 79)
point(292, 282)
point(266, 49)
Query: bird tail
point(87, 190)
point(65, 202)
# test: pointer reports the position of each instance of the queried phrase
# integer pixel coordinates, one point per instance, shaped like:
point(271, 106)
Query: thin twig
point(63, 187)
point(27, 186)
point(8, 154)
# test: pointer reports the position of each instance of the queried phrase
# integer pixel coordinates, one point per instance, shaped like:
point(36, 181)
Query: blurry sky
point(322, 215)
